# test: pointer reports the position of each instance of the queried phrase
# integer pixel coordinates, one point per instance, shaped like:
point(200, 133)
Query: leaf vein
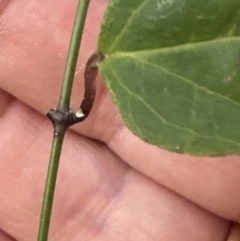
point(129, 21)
point(162, 119)
point(186, 80)
point(179, 47)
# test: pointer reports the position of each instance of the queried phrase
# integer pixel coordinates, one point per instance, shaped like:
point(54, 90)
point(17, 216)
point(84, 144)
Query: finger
point(33, 61)
point(211, 182)
point(34, 48)
point(98, 197)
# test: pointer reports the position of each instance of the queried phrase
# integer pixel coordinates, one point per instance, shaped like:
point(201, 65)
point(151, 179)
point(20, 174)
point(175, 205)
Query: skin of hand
point(111, 185)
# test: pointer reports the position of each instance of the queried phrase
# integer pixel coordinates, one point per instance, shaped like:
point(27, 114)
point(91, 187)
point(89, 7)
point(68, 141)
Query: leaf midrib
point(176, 47)
point(139, 56)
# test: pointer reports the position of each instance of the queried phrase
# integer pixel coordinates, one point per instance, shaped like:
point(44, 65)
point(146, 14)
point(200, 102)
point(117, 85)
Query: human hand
point(111, 185)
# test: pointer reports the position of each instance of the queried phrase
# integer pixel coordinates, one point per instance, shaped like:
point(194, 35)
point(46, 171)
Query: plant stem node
point(66, 119)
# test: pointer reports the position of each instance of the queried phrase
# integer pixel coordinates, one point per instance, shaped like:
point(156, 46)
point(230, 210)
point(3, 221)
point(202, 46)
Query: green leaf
point(173, 69)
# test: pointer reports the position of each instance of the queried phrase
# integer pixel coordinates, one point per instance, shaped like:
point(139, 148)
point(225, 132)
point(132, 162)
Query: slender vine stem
point(73, 55)
point(62, 118)
point(50, 185)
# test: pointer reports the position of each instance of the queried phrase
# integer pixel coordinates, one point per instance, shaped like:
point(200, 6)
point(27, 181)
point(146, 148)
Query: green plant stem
point(50, 185)
point(59, 127)
point(73, 55)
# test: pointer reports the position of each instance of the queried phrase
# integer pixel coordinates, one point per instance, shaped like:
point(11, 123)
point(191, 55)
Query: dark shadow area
point(5, 237)
point(3, 5)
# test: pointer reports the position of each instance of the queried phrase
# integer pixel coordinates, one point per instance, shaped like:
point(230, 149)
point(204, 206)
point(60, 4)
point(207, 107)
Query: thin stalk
point(50, 185)
point(59, 120)
point(73, 55)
